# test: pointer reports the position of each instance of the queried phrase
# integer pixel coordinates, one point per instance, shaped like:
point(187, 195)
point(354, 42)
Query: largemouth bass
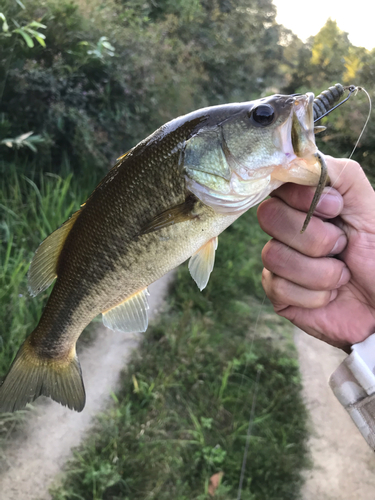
point(163, 202)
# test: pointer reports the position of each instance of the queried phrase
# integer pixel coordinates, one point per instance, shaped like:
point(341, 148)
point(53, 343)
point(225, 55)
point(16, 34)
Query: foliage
point(24, 140)
point(31, 207)
point(28, 214)
point(80, 83)
point(324, 60)
point(98, 92)
point(183, 410)
point(328, 52)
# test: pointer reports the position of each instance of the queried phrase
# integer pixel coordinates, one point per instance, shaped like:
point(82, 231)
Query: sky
point(307, 18)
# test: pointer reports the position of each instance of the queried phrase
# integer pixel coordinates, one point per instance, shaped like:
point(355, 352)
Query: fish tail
point(32, 375)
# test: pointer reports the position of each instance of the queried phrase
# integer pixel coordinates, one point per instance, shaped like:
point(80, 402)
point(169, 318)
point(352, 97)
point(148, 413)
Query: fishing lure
point(324, 104)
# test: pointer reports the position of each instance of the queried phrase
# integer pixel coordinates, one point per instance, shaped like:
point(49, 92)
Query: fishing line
point(351, 154)
point(264, 298)
point(251, 343)
point(248, 435)
point(252, 413)
point(359, 138)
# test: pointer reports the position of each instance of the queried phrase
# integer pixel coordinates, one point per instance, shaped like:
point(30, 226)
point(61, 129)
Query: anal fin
point(130, 316)
point(202, 262)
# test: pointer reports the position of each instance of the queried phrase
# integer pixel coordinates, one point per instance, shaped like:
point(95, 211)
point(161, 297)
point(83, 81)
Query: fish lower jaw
point(233, 203)
point(303, 171)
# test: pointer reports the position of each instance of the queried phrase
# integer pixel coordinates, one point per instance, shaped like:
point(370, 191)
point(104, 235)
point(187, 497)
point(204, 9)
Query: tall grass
point(31, 207)
point(183, 410)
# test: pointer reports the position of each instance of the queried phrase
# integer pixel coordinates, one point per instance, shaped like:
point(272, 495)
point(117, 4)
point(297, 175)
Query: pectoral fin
point(174, 215)
point(130, 316)
point(202, 262)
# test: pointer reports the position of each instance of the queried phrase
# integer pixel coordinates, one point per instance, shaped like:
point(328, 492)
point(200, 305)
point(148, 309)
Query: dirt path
point(38, 454)
point(343, 464)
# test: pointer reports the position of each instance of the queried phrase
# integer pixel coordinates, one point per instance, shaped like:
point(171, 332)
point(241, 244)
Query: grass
point(31, 207)
point(183, 410)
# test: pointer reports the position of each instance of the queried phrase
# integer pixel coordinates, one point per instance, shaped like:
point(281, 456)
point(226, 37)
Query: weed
point(31, 207)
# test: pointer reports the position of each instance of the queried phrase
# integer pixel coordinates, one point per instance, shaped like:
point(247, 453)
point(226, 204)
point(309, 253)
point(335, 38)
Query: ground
point(37, 455)
point(343, 465)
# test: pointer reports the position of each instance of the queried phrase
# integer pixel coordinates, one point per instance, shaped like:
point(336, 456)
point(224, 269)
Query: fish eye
point(263, 115)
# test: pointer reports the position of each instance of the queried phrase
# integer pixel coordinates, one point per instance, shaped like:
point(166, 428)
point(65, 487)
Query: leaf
point(26, 37)
point(135, 382)
point(31, 146)
point(21, 4)
point(215, 482)
point(40, 40)
point(5, 24)
point(34, 33)
point(108, 46)
point(35, 24)
point(22, 137)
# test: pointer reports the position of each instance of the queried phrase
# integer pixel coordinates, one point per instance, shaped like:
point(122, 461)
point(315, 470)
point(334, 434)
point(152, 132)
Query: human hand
point(323, 280)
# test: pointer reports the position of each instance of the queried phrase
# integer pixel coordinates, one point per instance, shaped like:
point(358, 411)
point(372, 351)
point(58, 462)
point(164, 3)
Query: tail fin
point(31, 376)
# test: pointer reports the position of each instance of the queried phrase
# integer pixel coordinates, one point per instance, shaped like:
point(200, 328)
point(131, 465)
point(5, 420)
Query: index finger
point(300, 197)
point(350, 195)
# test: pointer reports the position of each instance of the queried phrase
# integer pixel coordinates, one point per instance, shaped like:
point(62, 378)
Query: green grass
point(31, 207)
point(183, 409)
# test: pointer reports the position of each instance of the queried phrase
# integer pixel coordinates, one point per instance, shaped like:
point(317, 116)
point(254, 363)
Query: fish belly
point(155, 254)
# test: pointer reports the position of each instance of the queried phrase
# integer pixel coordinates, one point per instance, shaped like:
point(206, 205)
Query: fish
point(164, 201)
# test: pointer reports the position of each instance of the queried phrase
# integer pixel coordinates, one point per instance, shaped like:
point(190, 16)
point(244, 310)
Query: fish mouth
point(298, 140)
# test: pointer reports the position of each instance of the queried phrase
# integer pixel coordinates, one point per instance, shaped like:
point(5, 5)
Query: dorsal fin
point(202, 262)
point(123, 156)
point(43, 267)
point(130, 316)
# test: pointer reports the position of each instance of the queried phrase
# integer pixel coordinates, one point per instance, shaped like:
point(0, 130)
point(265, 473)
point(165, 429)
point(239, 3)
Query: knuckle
point(268, 212)
point(271, 255)
point(322, 245)
point(265, 280)
point(265, 255)
point(329, 278)
point(321, 299)
point(278, 290)
point(354, 165)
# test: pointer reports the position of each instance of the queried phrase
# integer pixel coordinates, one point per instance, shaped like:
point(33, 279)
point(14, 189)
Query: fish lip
point(302, 131)
point(296, 139)
point(298, 128)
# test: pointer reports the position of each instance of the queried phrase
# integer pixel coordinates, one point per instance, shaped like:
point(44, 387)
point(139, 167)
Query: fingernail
point(333, 295)
point(330, 205)
point(339, 245)
point(344, 278)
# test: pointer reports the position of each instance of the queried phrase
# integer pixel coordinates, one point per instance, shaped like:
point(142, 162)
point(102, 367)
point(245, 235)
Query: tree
point(329, 52)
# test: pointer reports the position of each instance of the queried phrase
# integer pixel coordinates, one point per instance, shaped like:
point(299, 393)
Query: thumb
point(349, 179)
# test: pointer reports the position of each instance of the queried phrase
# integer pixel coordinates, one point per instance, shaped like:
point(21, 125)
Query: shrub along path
point(39, 452)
